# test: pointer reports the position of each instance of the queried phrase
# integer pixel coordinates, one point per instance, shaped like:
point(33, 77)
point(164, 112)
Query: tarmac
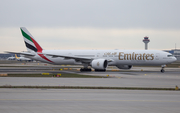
point(149, 81)
point(150, 77)
point(90, 100)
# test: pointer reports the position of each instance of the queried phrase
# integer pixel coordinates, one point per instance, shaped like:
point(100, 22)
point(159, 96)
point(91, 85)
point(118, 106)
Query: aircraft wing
point(69, 57)
point(83, 59)
point(22, 53)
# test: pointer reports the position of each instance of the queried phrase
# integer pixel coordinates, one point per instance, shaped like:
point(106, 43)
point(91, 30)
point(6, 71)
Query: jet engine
point(124, 66)
point(99, 64)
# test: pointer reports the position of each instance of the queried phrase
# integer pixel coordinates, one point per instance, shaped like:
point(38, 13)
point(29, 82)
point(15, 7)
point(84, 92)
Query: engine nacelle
point(99, 64)
point(124, 66)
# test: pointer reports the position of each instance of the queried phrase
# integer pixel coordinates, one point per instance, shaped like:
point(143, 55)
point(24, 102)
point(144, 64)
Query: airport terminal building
point(4, 56)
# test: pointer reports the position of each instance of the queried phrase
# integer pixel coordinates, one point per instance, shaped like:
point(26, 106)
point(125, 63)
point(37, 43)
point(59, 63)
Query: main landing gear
point(100, 70)
point(162, 70)
point(85, 70)
point(89, 70)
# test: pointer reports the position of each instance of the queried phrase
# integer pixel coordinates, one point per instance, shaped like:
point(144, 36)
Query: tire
point(99, 70)
point(162, 70)
point(85, 70)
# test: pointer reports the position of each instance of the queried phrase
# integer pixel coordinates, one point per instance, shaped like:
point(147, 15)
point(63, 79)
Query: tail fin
point(16, 56)
point(31, 43)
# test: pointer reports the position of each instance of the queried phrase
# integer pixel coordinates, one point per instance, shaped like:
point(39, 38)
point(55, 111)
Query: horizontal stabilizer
point(22, 53)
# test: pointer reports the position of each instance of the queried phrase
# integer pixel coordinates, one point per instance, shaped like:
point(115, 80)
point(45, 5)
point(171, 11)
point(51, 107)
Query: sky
point(90, 24)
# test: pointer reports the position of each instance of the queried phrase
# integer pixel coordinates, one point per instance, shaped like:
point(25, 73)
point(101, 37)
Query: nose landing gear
point(162, 70)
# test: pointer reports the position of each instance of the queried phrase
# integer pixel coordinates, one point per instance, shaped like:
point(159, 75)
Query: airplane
point(96, 59)
point(22, 58)
point(11, 58)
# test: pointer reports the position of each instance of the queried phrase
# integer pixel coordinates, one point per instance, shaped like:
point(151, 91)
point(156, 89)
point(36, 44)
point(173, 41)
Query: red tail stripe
point(39, 49)
point(41, 55)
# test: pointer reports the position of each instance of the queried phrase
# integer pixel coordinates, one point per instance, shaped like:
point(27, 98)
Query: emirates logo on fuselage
point(98, 64)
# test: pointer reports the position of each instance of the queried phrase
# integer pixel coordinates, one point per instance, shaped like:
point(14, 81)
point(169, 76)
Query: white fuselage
point(23, 59)
point(117, 57)
point(11, 58)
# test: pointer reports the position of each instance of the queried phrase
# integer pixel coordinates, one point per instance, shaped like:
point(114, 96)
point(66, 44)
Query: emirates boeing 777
point(96, 59)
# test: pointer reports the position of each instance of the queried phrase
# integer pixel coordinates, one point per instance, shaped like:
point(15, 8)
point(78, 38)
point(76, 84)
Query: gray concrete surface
point(88, 101)
point(129, 81)
point(149, 78)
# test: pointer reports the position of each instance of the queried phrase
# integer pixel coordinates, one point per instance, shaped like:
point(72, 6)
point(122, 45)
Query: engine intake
point(99, 64)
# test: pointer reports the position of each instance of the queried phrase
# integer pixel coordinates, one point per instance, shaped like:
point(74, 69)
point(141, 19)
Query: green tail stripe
point(26, 35)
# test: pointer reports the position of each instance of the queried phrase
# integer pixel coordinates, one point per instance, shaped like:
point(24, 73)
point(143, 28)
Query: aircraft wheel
point(162, 70)
point(81, 70)
point(100, 70)
point(85, 69)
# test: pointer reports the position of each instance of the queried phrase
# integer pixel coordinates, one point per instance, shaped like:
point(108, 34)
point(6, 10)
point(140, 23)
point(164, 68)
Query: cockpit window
point(170, 56)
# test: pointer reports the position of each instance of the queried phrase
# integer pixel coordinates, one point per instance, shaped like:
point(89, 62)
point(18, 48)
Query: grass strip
point(63, 75)
point(89, 87)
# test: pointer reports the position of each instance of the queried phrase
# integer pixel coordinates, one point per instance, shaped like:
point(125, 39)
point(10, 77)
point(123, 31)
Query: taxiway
point(88, 101)
point(19, 100)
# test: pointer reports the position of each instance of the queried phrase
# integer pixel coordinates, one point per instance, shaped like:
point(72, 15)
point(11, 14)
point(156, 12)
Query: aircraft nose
point(174, 59)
